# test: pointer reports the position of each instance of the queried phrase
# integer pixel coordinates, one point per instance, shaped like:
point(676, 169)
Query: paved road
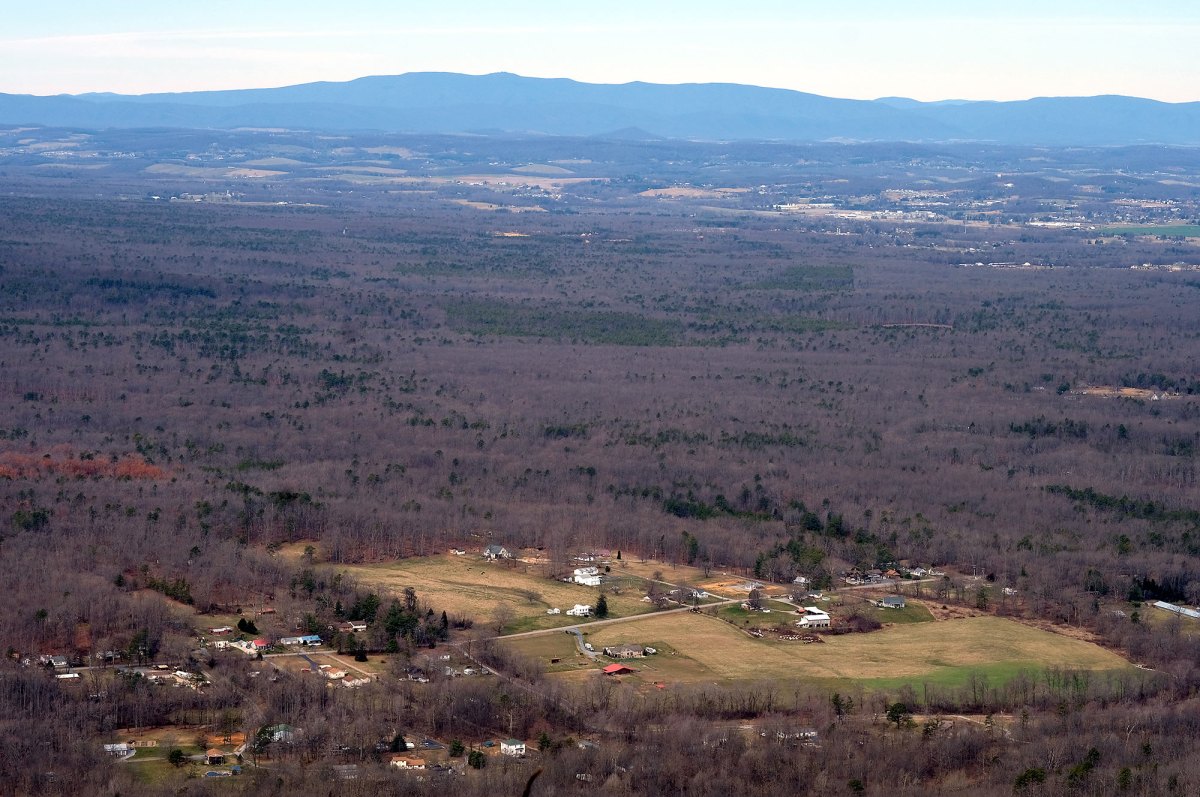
point(591, 654)
point(575, 629)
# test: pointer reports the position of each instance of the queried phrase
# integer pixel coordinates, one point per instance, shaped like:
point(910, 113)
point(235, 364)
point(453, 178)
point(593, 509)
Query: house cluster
point(873, 576)
point(587, 576)
point(888, 573)
point(308, 640)
point(628, 651)
point(251, 647)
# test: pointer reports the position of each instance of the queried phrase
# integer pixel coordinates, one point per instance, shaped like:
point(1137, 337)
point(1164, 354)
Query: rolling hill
point(432, 102)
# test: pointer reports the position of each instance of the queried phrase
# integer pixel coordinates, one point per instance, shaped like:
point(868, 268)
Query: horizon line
point(502, 72)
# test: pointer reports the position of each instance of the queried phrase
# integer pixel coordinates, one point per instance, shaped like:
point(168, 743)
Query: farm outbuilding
point(618, 669)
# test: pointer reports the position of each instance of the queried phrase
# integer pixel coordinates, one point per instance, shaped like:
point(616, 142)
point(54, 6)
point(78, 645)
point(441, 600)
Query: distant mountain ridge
point(441, 102)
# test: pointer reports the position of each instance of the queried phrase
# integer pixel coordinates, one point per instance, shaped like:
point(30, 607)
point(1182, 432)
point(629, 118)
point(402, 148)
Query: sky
point(924, 49)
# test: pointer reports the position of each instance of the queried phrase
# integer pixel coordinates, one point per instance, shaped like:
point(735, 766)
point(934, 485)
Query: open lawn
point(670, 574)
point(1161, 618)
point(149, 765)
point(468, 586)
point(945, 652)
point(914, 612)
point(553, 646)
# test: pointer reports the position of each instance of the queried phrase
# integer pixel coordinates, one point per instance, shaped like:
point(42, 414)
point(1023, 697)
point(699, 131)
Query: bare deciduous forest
point(768, 360)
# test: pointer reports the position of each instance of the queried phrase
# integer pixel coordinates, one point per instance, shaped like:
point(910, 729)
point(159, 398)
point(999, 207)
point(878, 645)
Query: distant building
point(580, 610)
point(1170, 607)
point(493, 552)
point(281, 733)
point(513, 747)
point(814, 618)
point(618, 669)
point(893, 602)
point(625, 652)
point(406, 761)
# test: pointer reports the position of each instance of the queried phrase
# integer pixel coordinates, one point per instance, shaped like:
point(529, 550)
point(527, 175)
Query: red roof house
point(618, 669)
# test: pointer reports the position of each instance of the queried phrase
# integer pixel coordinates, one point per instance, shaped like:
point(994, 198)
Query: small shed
point(214, 757)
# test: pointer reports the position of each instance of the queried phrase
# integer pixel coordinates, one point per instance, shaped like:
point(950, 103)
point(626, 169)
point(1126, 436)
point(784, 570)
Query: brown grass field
point(709, 649)
point(467, 586)
point(1122, 392)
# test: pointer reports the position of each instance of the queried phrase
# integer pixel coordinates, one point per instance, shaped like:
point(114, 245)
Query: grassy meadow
point(702, 648)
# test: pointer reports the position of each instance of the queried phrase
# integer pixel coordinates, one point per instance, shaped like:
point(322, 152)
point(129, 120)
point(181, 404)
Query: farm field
point(944, 652)
point(470, 587)
point(1170, 230)
point(672, 574)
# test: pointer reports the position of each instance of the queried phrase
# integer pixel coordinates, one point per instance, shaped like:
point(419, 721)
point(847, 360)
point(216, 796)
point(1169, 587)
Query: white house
point(119, 750)
point(496, 552)
point(813, 618)
point(513, 747)
point(580, 610)
point(587, 576)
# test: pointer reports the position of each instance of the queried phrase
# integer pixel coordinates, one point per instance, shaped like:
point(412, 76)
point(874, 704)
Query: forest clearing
point(945, 653)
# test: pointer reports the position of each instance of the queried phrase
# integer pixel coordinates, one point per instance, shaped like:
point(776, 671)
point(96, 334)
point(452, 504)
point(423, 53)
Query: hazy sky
point(935, 49)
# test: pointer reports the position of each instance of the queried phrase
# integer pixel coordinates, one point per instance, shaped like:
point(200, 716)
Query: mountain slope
point(445, 102)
